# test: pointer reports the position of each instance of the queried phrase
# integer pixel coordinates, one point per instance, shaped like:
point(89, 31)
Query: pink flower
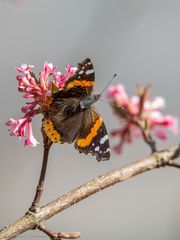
point(117, 149)
point(16, 1)
point(14, 126)
point(24, 68)
point(18, 128)
point(30, 139)
point(29, 85)
point(39, 91)
point(133, 106)
point(60, 78)
point(140, 116)
point(44, 75)
point(157, 103)
point(29, 106)
point(119, 95)
point(161, 134)
point(156, 119)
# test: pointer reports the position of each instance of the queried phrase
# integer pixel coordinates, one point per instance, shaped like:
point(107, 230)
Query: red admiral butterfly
point(71, 116)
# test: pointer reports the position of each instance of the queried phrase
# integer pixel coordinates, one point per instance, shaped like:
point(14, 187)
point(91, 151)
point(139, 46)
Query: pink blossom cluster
point(39, 91)
point(139, 115)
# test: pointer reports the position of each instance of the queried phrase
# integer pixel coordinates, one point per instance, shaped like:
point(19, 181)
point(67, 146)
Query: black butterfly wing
point(83, 78)
point(92, 137)
point(63, 120)
point(78, 86)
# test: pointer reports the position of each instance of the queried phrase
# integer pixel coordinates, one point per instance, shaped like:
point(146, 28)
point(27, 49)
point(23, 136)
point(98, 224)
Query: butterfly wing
point(92, 137)
point(83, 78)
point(63, 120)
point(79, 85)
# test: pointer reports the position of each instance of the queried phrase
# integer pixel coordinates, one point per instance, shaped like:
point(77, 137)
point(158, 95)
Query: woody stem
point(40, 186)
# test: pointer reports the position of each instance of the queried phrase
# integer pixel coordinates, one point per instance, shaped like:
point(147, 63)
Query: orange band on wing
point(84, 142)
point(82, 83)
point(50, 131)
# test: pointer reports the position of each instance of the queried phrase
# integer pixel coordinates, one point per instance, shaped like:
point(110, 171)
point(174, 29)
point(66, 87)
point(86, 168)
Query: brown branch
point(58, 236)
point(33, 220)
point(173, 164)
point(47, 232)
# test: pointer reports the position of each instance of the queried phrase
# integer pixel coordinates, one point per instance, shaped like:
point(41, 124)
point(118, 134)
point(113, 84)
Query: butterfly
point(73, 118)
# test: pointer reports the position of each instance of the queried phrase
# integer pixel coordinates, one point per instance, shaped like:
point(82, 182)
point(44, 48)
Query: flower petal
point(30, 139)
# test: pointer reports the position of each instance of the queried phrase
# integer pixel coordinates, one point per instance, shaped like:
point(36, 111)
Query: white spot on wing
point(97, 149)
point(108, 150)
point(89, 71)
point(81, 72)
point(103, 139)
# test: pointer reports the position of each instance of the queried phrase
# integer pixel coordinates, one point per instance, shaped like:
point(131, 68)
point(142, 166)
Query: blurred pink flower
point(118, 94)
point(140, 116)
point(15, 2)
point(40, 91)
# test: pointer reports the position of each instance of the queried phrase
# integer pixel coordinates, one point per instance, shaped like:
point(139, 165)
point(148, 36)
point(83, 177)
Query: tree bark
point(32, 220)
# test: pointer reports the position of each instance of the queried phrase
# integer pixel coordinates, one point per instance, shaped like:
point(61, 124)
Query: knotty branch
point(33, 220)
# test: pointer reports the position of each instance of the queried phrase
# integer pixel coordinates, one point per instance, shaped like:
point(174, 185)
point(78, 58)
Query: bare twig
point(174, 164)
point(33, 220)
point(47, 232)
point(57, 236)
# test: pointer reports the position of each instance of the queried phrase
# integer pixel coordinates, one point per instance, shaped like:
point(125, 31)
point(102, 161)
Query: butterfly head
point(87, 101)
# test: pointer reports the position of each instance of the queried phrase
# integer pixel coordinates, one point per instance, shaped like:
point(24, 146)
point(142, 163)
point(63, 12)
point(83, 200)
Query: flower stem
point(146, 135)
point(40, 186)
point(148, 139)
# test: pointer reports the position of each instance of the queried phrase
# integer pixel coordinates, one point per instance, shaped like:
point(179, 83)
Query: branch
point(58, 236)
point(33, 220)
point(173, 164)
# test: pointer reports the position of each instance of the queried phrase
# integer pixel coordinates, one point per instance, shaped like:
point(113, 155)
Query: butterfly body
point(72, 116)
point(86, 102)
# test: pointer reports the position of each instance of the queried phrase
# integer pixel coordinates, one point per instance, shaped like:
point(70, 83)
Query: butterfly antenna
point(108, 83)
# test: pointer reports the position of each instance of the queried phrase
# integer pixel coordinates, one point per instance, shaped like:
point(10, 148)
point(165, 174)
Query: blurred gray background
point(139, 40)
